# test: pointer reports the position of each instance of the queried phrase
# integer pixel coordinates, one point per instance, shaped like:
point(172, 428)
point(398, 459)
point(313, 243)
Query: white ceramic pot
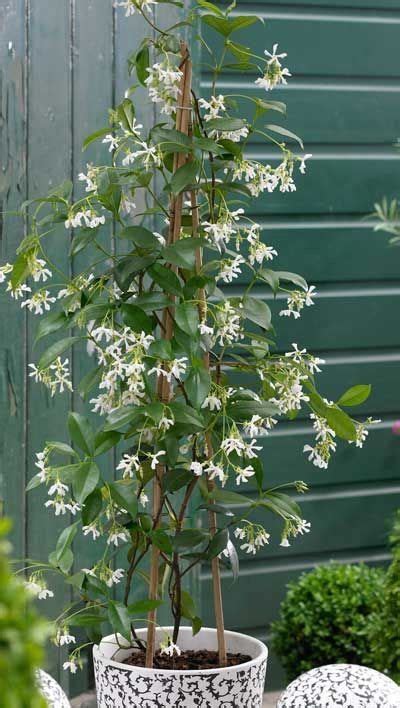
point(122, 686)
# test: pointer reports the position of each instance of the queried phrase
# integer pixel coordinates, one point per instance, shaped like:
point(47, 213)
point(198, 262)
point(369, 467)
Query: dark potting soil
point(188, 660)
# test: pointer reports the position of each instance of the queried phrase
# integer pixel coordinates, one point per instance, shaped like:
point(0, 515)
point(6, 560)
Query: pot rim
point(262, 656)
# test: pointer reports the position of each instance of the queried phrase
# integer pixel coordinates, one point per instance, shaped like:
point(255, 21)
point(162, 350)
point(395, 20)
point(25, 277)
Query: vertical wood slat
point(92, 95)
point(13, 188)
point(49, 163)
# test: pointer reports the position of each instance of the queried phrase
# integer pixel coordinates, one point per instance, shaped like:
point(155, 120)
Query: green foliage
point(324, 618)
point(384, 625)
point(22, 636)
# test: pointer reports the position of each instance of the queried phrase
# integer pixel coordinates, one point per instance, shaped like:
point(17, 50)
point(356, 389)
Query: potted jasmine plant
point(171, 347)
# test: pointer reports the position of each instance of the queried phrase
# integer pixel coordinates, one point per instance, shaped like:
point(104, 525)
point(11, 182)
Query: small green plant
point(324, 617)
point(22, 635)
point(384, 626)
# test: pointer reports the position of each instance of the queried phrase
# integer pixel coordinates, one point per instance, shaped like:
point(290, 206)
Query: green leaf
point(355, 395)
point(81, 432)
point(281, 504)
point(51, 323)
point(130, 266)
point(121, 416)
point(270, 277)
point(218, 543)
point(64, 541)
point(171, 140)
point(189, 538)
point(61, 448)
point(92, 312)
point(162, 541)
point(184, 176)
point(105, 440)
point(292, 278)
point(140, 607)
point(162, 349)
point(225, 124)
point(226, 26)
point(119, 619)
point(136, 318)
point(20, 271)
point(183, 252)
point(94, 136)
point(166, 279)
point(286, 133)
point(124, 494)
point(263, 106)
point(126, 114)
point(187, 416)
point(92, 507)
point(55, 351)
point(211, 7)
point(142, 63)
point(187, 318)
point(242, 410)
point(36, 481)
point(81, 240)
point(141, 237)
point(86, 619)
point(91, 379)
point(85, 481)
point(197, 384)
point(256, 311)
point(230, 498)
point(341, 423)
point(152, 301)
point(176, 479)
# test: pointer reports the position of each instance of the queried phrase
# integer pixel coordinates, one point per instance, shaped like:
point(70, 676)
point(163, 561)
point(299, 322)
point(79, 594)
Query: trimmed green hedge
point(325, 618)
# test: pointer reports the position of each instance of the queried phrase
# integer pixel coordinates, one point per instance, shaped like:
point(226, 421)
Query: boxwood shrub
point(325, 617)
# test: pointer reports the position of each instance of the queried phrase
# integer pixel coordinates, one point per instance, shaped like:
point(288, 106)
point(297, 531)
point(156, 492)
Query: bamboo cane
point(212, 517)
point(163, 387)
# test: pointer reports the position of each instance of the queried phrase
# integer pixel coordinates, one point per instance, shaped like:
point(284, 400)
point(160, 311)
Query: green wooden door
point(344, 100)
point(62, 64)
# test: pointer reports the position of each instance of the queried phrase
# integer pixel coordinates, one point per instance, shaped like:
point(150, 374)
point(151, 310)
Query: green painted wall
point(61, 65)
point(344, 100)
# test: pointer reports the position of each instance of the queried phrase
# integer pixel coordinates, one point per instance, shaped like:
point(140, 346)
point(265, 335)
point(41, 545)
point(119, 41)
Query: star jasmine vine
point(172, 336)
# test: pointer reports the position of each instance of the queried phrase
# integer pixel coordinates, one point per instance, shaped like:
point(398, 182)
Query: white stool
point(341, 686)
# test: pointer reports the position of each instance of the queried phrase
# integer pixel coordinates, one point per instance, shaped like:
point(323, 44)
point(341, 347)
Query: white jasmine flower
point(58, 488)
point(71, 666)
point(163, 83)
point(160, 238)
point(213, 403)
point(303, 527)
point(169, 648)
point(129, 465)
point(285, 542)
point(93, 529)
point(196, 468)
point(231, 269)
point(143, 499)
point(154, 458)
point(19, 291)
point(4, 271)
point(249, 449)
point(244, 474)
point(115, 577)
point(297, 300)
point(302, 167)
point(214, 471)
point(38, 270)
point(228, 326)
point(89, 178)
point(165, 423)
point(112, 141)
point(233, 444)
point(131, 6)
point(213, 107)
point(41, 463)
point(117, 534)
point(63, 638)
point(39, 302)
point(274, 73)
point(205, 329)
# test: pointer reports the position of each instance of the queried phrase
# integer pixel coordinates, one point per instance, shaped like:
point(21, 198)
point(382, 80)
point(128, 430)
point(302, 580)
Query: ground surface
point(87, 700)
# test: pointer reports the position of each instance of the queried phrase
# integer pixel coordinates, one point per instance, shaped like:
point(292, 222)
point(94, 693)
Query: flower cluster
point(274, 74)
point(163, 84)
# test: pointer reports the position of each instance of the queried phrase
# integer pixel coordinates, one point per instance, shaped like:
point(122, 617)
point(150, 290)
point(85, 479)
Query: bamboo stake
point(163, 387)
point(212, 517)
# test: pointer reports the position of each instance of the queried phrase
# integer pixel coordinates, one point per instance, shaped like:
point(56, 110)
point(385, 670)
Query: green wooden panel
point(331, 249)
point(49, 163)
point(383, 5)
point(329, 110)
point(12, 320)
point(368, 41)
point(364, 174)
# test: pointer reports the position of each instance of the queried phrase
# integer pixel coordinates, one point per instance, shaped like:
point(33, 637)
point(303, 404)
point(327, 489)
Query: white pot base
point(122, 686)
